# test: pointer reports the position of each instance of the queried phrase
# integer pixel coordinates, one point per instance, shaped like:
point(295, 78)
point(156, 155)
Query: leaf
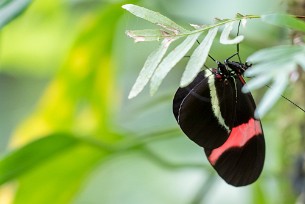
point(300, 59)
point(268, 66)
point(238, 15)
point(285, 21)
point(149, 67)
point(275, 53)
point(147, 35)
point(225, 39)
point(198, 58)
point(171, 60)
point(9, 10)
point(273, 94)
point(256, 83)
point(33, 154)
point(59, 179)
point(273, 64)
point(218, 20)
point(154, 17)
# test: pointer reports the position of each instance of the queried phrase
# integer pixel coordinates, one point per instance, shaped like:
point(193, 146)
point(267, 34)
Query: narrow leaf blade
point(170, 61)
point(149, 67)
point(198, 58)
point(285, 21)
point(154, 17)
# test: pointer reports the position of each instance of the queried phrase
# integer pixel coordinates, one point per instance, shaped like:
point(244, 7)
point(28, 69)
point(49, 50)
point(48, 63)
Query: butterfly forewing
point(193, 110)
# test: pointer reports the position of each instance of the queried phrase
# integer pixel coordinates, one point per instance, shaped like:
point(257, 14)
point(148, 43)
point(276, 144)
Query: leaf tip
point(131, 95)
point(135, 37)
point(127, 6)
point(245, 89)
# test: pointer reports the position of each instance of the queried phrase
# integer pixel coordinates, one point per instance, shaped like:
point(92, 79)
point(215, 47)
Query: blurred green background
point(70, 135)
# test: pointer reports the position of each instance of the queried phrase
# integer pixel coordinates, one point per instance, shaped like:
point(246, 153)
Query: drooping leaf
point(59, 179)
point(225, 35)
point(170, 61)
point(198, 58)
point(154, 17)
point(147, 35)
point(275, 53)
point(275, 65)
point(274, 93)
point(284, 20)
point(256, 83)
point(268, 67)
point(149, 68)
point(11, 9)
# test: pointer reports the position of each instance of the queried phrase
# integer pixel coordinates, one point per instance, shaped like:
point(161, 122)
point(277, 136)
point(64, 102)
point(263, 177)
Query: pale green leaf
point(149, 67)
point(267, 67)
point(171, 60)
point(256, 83)
point(11, 9)
point(225, 35)
point(275, 53)
point(300, 59)
point(273, 94)
point(198, 58)
point(285, 21)
point(147, 35)
point(154, 17)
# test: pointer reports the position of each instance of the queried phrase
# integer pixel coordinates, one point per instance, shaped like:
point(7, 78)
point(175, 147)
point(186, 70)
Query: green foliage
point(274, 64)
point(160, 68)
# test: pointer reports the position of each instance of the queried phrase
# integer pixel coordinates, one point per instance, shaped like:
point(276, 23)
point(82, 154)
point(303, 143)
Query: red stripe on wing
point(238, 137)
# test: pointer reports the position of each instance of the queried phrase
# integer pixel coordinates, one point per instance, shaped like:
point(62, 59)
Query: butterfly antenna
point(209, 55)
point(290, 101)
point(237, 46)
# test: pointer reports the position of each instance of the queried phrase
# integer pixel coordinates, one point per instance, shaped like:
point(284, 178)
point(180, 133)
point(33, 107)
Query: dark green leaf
point(59, 179)
point(26, 158)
